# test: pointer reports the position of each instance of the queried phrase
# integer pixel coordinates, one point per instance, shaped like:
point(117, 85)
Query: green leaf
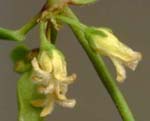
point(7, 34)
point(19, 53)
point(27, 93)
point(83, 2)
point(19, 57)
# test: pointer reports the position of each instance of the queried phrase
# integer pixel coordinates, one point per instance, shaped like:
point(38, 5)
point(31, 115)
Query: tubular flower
point(50, 74)
point(104, 42)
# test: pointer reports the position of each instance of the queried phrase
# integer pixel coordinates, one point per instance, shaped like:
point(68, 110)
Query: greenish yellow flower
point(104, 42)
point(50, 74)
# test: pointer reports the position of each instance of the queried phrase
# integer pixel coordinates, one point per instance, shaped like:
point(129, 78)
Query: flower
point(104, 42)
point(50, 74)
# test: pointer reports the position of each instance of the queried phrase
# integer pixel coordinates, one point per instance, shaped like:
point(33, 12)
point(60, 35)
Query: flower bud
point(104, 42)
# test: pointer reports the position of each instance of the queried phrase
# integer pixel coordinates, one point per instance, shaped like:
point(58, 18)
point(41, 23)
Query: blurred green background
point(128, 19)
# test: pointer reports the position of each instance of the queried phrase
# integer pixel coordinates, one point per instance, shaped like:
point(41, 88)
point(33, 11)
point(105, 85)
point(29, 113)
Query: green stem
point(44, 41)
point(28, 26)
point(11, 35)
point(71, 21)
point(103, 73)
point(18, 35)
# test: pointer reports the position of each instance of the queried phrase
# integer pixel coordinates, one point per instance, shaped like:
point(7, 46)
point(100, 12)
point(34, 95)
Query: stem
point(71, 21)
point(103, 73)
point(18, 35)
point(11, 35)
point(28, 26)
point(44, 42)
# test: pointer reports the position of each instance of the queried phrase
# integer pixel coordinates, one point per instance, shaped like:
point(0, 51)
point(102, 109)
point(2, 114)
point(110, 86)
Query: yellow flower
point(104, 42)
point(50, 74)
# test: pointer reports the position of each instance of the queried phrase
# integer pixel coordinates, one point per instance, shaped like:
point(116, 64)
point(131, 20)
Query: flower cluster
point(104, 42)
point(50, 75)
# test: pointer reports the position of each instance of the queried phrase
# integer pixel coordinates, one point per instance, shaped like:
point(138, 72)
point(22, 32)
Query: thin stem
point(71, 21)
point(44, 42)
point(28, 26)
point(11, 35)
point(42, 33)
point(103, 73)
point(18, 35)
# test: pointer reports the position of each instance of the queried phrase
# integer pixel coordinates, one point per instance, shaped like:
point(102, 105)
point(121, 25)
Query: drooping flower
point(50, 74)
point(104, 42)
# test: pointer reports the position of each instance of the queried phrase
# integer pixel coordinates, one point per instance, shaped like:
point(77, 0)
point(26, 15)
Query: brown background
point(130, 20)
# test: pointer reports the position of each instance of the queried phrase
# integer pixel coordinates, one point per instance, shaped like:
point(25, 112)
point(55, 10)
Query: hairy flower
point(104, 42)
point(50, 74)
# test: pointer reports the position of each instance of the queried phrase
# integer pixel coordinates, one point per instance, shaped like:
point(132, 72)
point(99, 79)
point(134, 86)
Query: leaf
point(83, 2)
point(26, 93)
point(19, 58)
point(19, 53)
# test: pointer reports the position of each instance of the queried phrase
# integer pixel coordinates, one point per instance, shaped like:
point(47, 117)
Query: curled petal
point(46, 90)
point(69, 103)
point(36, 67)
point(50, 74)
point(39, 75)
point(132, 64)
point(63, 88)
point(68, 79)
point(121, 72)
point(59, 94)
point(49, 107)
point(60, 68)
point(49, 88)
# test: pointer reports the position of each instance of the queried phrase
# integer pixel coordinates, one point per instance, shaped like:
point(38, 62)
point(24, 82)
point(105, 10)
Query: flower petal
point(49, 107)
point(121, 72)
point(132, 64)
point(45, 62)
point(39, 75)
point(63, 88)
point(69, 103)
point(59, 64)
point(111, 46)
point(50, 88)
point(67, 79)
point(59, 95)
